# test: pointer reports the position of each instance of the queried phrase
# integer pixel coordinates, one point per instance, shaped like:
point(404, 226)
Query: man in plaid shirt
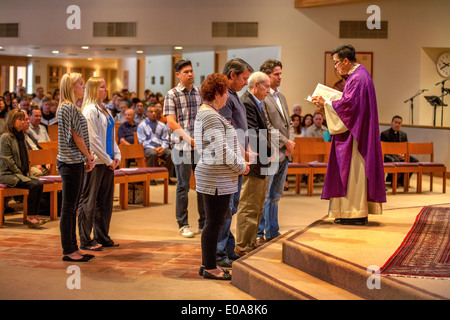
point(180, 109)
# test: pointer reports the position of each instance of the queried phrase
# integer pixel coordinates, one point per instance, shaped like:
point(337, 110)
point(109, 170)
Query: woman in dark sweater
point(14, 164)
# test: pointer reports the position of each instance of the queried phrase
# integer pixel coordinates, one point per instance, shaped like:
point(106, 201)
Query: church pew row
point(123, 176)
point(310, 157)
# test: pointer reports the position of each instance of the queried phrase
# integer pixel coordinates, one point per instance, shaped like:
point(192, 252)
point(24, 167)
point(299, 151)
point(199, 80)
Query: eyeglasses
point(336, 62)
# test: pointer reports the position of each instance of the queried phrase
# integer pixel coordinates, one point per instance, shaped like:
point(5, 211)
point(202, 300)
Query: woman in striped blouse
point(217, 171)
point(73, 160)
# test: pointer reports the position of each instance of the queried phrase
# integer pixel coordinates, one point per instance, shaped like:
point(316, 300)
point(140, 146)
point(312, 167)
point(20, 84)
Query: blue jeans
point(275, 187)
point(184, 163)
point(226, 242)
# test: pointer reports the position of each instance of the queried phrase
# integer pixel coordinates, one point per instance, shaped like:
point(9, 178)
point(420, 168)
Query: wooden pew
point(5, 192)
point(52, 183)
point(52, 131)
point(141, 174)
point(400, 167)
point(301, 167)
point(310, 150)
point(426, 148)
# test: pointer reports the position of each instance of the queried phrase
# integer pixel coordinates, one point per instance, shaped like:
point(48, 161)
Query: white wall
point(303, 34)
point(158, 66)
point(202, 64)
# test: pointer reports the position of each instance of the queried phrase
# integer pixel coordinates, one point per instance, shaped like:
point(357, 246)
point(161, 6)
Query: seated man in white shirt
point(317, 129)
point(37, 130)
point(33, 144)
point(154, 136)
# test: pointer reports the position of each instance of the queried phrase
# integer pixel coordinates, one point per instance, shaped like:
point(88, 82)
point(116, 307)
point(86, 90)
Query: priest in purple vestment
point(354, 181)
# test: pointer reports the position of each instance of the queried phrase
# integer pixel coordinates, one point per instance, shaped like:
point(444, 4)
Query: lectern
point(435, 101)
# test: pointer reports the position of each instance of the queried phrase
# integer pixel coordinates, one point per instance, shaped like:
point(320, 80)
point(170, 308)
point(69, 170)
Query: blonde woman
point(96, 203)
point(14, 164)
point(74, 158)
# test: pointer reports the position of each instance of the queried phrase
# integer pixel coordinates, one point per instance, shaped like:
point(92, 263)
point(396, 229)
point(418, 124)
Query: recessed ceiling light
point(178, 48)
point(29, 55)
point(85, 47)
point(1, 47)
point(55, 51)
point(139, 51)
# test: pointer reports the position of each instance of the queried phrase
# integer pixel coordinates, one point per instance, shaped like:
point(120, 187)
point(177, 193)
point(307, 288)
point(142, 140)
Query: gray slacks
point(95, 207)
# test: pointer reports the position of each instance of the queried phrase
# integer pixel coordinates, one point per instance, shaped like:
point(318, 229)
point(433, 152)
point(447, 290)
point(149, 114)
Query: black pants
point(34, 187)
point(96, 206)
point(216, 208)
point(72, 182)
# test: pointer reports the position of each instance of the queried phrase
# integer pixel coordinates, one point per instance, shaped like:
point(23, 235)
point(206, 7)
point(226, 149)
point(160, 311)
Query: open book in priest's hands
point(325, 92)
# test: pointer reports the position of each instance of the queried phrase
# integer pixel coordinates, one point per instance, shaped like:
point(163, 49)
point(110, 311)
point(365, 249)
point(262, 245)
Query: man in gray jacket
point(276, 110)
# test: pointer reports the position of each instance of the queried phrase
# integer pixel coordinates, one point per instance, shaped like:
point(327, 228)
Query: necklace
point(105, 112)
point(210, 105)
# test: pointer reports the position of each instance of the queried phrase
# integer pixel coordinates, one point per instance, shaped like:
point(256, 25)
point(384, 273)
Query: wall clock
point(443, 64)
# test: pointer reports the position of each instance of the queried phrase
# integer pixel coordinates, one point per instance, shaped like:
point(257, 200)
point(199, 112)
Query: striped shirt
point(220, 156)
point(69, 118)
point(183, 104)
point(153, 137)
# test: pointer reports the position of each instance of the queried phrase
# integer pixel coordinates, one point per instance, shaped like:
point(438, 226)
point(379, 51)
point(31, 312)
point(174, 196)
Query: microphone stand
point(412, 104)
point(444, 91)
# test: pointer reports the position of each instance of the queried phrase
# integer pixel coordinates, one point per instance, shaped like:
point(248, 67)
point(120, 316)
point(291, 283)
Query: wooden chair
point(5, 192)
point(142, 173)
point(314, 149)
point(49, 145)
point(400, 167)
point(430, 167)
point(116, 129)
point(305, 158)
point(52, 183)
point(53, 132)
point(296, 167)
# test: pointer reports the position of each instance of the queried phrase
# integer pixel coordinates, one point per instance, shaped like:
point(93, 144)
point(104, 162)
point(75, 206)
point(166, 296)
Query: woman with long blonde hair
point(74, 158)
point(96, 203)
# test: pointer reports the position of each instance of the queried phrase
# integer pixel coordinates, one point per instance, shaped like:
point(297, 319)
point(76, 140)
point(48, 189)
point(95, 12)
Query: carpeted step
point(263, 275)
point(341, 256)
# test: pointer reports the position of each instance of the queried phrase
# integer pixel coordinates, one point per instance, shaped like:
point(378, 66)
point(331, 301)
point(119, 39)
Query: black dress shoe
point(225, 276)
point(83, 259)
point(225, 263)
point(233, 256)
point(357, 221)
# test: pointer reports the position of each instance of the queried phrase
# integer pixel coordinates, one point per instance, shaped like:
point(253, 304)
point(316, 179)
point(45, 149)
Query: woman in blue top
point(96, 202)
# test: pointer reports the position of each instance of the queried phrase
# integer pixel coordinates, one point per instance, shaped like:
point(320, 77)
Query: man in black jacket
point(393, 134)
point(254, 184)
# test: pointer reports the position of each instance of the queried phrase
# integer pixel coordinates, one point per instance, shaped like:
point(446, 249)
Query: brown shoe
point(240, 252)
point(260, 241)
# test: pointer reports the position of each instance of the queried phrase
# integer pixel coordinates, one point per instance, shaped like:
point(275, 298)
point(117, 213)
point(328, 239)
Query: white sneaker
point(186, 232)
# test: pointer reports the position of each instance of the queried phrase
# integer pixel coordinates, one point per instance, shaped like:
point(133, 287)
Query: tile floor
point(131, 258)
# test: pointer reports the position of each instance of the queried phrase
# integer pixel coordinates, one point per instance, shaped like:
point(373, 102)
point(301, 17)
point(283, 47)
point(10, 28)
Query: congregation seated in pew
point(154, 136)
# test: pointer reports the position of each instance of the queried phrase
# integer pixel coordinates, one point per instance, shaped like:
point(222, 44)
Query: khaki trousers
point(248, 216)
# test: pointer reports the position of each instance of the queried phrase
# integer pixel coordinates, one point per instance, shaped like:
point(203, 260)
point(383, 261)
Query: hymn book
point(325, 92)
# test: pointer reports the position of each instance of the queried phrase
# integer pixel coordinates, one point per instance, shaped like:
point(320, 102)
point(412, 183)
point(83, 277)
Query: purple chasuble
point(357, 109)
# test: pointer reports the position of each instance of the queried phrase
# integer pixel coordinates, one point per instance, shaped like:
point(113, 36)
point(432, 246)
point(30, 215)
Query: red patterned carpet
point(425, 252)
